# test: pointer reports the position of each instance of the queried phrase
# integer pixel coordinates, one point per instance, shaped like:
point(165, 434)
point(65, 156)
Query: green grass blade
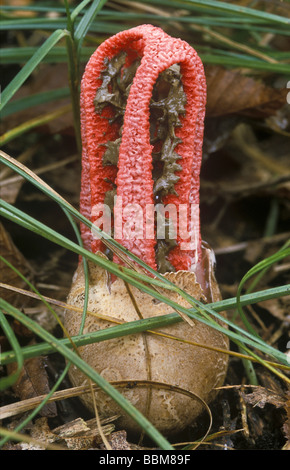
point(28, 68)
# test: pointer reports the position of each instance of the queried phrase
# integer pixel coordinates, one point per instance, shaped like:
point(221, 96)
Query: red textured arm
point(133, 176)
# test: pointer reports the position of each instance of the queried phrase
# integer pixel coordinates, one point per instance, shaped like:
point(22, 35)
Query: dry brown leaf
point(229, 92)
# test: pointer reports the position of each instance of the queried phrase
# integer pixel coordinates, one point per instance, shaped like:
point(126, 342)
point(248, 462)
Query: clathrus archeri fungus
point(142, 112)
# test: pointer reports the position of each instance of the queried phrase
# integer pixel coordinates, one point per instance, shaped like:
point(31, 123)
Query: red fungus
point(133, 176)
